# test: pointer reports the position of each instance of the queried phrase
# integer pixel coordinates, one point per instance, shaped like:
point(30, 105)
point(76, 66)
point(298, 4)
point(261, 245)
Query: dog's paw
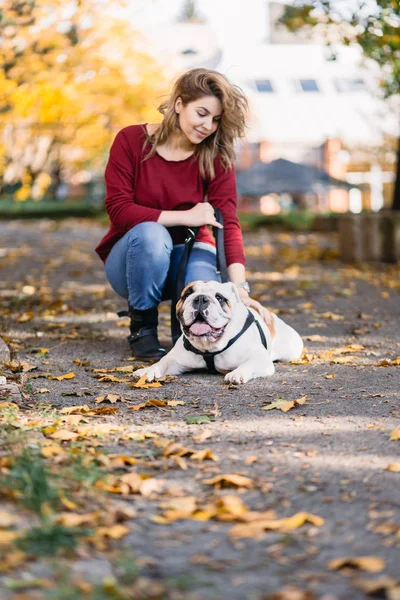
point(237, 376)
point(152, 373)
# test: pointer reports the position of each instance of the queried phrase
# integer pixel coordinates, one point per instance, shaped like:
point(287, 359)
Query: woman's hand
point(201, 214)
point(263, 312)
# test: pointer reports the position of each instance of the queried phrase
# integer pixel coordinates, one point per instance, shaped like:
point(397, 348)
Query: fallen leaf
point(64, 435)
point(174, 403)
point(7, 519)
point(256, 528)
point(143, 385)
point(81, 363)
point(52, 450)
point(201, 455)
point(389, 363)
point(395, 435)
point(230, 479)
point(62, 377)
point(372, 564)
point(292, 593)
point(11, 560)
point(394, 467)
point(69, 519)
point(332, 316)
point(197, 419)
point(7, 537)
point(81, 409)
point(115, 532)
point(202, 437)
point(285, 405)
point(112, 398)
point(316, 338)
point(377, 586)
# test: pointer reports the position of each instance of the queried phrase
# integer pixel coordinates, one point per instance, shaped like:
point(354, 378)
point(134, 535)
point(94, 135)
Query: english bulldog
point(220, 333)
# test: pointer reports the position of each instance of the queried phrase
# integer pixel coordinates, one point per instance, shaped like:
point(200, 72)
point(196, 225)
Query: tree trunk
point(396, 195)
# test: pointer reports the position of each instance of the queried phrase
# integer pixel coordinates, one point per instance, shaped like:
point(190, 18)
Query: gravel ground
point(327, 457)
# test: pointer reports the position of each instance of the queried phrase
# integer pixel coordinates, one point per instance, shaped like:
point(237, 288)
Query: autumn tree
point(375, 28)
point(71, 74)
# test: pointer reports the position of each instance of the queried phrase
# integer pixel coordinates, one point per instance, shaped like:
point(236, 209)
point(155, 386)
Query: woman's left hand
point(263, 312)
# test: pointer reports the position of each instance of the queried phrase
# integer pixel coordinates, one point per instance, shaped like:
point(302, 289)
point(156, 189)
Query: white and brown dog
point(219, 332)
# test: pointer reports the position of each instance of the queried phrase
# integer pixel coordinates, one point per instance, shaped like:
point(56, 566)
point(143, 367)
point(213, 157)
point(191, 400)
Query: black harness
point(221, 267)
point(209, 356)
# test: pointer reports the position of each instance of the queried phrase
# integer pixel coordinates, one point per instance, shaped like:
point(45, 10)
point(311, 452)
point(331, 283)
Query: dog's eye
point(187, 294)
point(220, 298)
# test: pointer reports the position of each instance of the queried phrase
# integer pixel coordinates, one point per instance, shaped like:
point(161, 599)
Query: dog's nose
point(201, 302)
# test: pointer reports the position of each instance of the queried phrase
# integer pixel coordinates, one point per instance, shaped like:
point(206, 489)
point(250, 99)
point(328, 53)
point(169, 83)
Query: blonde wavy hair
point(191, 86)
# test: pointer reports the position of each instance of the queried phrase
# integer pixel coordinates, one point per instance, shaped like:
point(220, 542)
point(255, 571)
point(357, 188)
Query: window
point(350, 85)
point(264, 85)
point(309, 85)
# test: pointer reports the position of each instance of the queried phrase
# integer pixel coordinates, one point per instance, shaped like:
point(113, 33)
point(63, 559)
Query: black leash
point(221, 267)
point(209, 356)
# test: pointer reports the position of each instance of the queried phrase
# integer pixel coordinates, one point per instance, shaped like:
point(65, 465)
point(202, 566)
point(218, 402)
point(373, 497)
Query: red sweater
point(138, 191)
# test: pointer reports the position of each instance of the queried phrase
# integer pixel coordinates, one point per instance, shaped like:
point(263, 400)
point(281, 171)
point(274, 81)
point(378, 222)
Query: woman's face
point(200, 118)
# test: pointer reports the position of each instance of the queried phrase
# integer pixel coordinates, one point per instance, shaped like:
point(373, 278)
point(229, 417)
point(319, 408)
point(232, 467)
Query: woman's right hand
point(201, 214)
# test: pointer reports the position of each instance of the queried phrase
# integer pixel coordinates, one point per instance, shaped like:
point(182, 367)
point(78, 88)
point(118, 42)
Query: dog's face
point(205, 310)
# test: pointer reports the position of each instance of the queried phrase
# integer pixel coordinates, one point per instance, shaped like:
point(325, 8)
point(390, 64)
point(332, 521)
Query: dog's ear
point(235, 291)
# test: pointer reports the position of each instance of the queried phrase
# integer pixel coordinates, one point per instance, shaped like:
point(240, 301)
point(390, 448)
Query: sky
point(226, 17)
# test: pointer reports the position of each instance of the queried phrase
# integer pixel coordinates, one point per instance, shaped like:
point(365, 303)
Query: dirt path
point(327, 457)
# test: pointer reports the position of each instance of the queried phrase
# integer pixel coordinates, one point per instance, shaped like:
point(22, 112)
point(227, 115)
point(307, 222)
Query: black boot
point(143, 339)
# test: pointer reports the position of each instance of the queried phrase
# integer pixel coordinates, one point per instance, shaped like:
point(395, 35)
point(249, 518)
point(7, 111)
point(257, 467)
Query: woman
point(156, 179)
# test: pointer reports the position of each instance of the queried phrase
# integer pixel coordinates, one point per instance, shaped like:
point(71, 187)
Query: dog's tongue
point(200, 328)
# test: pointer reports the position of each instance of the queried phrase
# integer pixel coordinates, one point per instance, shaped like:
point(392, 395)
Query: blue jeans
point(143, 265)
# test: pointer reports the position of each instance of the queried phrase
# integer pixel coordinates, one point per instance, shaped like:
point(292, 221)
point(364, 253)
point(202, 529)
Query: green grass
point(10, 209)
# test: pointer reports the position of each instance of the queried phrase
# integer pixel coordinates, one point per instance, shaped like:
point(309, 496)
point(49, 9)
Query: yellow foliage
point(70, 98)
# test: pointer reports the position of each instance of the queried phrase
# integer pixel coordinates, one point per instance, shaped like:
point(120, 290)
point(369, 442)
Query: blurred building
point(310, 102)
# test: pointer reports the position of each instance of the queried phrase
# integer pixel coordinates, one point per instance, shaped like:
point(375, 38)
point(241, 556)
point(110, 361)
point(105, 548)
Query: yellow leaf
point(255, 529)
point(203, 455)
point(11, 560)
point(50, 451)
point(66, 502)
point(316, 338)
point(181, 462)
point(115, 532)
point(64, 435)
point(83, 408)
point(230, 479)
point(230, 507)
point(394, 467)
point(201, 437)
point(6, 519)
point(174, 403)
point(73, 420)
point(9, 405)
point(143, 385)
point(62, 377)
point(76, 520)
point(332, 316)
point(375, 586)
point(330, 376)
point(372, 564)
point(7, 537)
point(112, 398)
point(280, 404)
point(395, 435)
point(133, 480)
point(251, 459)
